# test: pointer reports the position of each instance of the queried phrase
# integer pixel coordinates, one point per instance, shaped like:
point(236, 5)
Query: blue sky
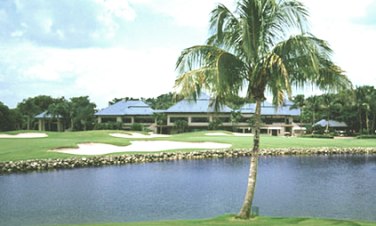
point(117, 48)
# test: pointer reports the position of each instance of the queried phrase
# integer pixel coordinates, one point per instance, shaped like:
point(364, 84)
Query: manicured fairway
point(37, 148)
point(260, 221)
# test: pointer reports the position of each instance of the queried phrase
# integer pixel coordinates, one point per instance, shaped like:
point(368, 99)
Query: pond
point(315, 186)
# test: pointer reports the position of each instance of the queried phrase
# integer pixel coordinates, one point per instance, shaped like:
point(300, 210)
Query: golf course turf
point(232, 221)
point(39, 148)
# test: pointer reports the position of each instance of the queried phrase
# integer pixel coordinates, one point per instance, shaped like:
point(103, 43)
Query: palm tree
point(313, 106)
point(160, 120)
point(262, 47)
point(235, 118)
point(299, 103)
point(329, 103)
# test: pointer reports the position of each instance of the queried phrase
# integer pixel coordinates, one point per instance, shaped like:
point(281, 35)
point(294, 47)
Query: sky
point(109, 49)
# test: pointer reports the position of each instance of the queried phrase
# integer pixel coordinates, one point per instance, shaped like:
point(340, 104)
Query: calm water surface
point(320, 186)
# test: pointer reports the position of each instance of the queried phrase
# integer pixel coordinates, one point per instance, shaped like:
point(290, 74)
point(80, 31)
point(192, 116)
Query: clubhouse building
point(199, 114)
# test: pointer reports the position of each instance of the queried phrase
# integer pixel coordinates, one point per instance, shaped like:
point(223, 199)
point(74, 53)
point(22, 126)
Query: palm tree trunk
point(28, 123)
point(367, 122)
point(313, 117)
point(72, 124)
point(245, 211)
point(360, 121)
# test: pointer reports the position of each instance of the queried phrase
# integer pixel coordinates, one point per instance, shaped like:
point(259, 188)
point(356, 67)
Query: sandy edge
point(24, 135)
point(137, 135)
point(138, 146)
point(227, 134)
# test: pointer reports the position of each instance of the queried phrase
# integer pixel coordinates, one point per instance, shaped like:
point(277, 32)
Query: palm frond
point(222, 20)
point(212, 69)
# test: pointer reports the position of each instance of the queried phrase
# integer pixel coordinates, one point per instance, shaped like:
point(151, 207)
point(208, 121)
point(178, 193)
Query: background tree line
point(77, 113)
point(356, 107)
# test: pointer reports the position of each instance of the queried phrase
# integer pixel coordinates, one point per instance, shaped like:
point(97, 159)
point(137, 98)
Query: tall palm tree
point(363, 96)
point(262, 47)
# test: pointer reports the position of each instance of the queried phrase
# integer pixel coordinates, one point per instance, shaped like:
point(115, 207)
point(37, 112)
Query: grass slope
point(37, 148)
point(231, 221)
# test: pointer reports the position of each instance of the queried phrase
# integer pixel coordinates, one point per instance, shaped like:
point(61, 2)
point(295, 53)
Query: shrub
point(181, 126)
point(215, 124)
point(317, 136)
point(366, 136)
point(137, 127)
point(109, 126)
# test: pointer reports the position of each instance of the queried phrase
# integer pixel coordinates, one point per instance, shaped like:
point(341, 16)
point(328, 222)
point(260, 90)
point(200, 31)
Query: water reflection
point(319, 186)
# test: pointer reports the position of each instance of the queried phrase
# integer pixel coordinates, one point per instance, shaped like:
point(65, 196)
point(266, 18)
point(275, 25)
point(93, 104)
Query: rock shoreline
point(71, 163)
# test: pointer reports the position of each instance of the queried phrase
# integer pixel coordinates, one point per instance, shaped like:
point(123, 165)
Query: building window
point(143, 120)
point(245, 119)
point(174, 119)
point(200, 119)
point(296, 119)
point(270, 120)
point(107, 120)
point(224, 119)
point(127, 120)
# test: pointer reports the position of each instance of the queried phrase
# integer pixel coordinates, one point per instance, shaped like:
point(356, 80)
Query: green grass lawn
point(231, 221)
point(37, 148)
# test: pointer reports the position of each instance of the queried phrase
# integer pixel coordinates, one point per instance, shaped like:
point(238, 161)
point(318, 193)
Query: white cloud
point(27, 69)
point(192, 13)
point(101, 73)
point(3, 16)
point(65, 23)
point(336, 21)
point(17, 33)
point(110, 73)
point(119, 8)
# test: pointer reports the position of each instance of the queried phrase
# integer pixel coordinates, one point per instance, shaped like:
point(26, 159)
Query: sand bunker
point(243, 134)
point(137, 135)
point(138, 146)
point(226, 134)
point(24, 135)
point(216, 134)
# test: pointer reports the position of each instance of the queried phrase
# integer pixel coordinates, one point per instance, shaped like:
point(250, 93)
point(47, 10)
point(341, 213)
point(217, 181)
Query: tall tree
point(373, 110)
point(82, 113)
point(299, 103)
point(163, 101)
point(347, 112)
point(32, 106)
point(161, 120)
point(235, 118)
point(60, 110)
point(263, 46)
point(6, 122)
point(329, 105)
point(364, 101)
point(313, 106)
point(115, 100)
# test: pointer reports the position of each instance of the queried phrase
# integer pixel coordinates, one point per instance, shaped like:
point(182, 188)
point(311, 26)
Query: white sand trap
point(137, 135)
point(243, 134)
point(216, 134)
point(24, 135)
point(138, 146)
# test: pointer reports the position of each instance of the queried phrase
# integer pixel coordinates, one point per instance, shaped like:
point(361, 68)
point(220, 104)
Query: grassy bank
point(231, 221)
point(37, 148)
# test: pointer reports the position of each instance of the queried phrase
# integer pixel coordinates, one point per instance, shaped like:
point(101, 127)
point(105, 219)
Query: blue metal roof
point(201, 105)
point(332, 123)
point(131, 107)
point(45, 115)
point(270, 109)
